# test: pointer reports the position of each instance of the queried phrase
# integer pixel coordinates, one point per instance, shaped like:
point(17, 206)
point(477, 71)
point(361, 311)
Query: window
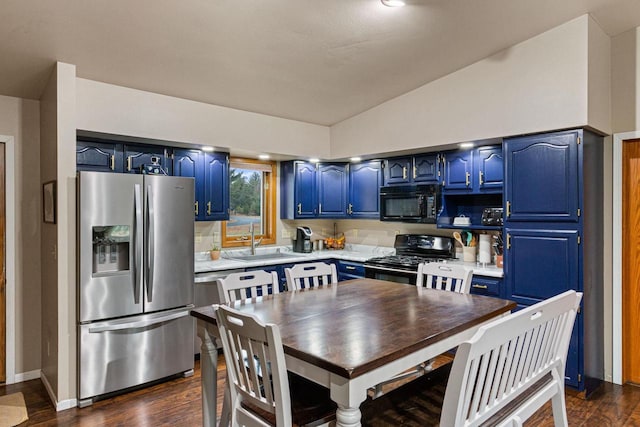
point(252, 200)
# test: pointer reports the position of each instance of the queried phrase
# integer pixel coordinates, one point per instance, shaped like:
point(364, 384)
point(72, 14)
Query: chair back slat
point(262, 381)
point(506, 357)
point(250, 284)
point(444, 277)
point(311, 275)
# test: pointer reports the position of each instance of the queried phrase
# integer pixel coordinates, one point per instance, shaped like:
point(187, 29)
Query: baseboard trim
point(62, 405)
point(27, 376)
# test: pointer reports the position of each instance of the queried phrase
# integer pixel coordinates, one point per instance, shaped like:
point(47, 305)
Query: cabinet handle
point(299, 208)
point(508, 241)
point(508, 209)
point(415, 172)
point(404, 172)
point(128, 163)
point(467, 175)
point(197, 209)
point(481, 175)
point(209, 208)
point(349, 267)
point(444, 169)
point(350, 209)
point(113, 162)
point(320, 209)
point(479, 286)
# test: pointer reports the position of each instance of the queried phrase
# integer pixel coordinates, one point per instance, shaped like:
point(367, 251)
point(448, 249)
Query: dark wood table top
point(362, 324)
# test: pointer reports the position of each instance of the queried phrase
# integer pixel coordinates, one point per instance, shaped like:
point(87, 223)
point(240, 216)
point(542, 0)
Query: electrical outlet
point(286, 234)
point(397, 232)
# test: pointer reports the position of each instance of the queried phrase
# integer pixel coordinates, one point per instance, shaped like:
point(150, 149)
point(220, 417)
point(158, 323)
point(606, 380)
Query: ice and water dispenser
point(111, 248)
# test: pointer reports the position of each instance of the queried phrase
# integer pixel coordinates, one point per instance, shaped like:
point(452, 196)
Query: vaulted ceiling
point(318, 61)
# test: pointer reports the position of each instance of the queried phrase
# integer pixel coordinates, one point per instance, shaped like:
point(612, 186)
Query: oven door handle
point(395, 270)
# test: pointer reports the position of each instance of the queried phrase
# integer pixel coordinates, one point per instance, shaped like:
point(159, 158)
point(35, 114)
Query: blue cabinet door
point(190, 163)
point(305, 194)
point(98, 156)
point(458, 168)
point(365, 180)
point(540, 264)
point(216, 186)
point(397, 170)
point(490, 169)
point(541, 178)
point(332, 190)
point(426, 169)
point(136, 156)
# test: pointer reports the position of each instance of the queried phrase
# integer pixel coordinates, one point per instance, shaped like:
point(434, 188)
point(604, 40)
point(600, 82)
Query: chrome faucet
point(254, 244)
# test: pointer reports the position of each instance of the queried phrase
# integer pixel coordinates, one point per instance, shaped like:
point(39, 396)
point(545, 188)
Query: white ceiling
point(319, 61)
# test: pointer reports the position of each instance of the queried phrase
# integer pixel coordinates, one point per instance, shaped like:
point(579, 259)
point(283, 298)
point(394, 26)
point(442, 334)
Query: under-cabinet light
point(355, 159)
point(466, 145)
point(314, 160)
point(264, 156)
point(393, 3)
point(207, 148)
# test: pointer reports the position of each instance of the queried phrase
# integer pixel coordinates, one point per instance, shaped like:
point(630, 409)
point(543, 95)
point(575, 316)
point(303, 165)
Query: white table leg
point(208, 375)
point(348, 417)
point(348, 395)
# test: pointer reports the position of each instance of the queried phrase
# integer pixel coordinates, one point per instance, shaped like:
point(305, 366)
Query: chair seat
point(419, 402)
point(311, 404)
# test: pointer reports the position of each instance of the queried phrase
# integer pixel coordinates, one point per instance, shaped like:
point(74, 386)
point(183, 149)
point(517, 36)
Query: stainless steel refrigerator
point(135, 280)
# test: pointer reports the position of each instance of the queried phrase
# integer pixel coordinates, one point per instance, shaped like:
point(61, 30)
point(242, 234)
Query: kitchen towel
point(12, 410)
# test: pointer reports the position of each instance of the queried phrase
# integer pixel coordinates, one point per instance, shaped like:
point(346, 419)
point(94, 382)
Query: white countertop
point(351, 252)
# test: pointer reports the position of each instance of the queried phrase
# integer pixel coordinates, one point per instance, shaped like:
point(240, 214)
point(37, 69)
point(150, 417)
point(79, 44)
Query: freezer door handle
point(138, 324)
point(150, 243)
point(137, 235)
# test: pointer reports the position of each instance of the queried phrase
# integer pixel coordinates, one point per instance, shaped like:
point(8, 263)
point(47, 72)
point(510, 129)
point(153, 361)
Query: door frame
point(10, 260)
point(616, 264)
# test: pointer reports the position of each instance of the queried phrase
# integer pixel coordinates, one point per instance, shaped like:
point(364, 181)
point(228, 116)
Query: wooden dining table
point(351, 336)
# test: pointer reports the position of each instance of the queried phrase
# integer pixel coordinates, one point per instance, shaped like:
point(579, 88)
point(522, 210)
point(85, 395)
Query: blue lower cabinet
point(484, 285)
point(348, 270)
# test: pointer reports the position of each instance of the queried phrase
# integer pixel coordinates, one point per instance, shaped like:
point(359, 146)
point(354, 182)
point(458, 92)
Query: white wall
point(19, 118)
point(539, 84)
point(123, 111)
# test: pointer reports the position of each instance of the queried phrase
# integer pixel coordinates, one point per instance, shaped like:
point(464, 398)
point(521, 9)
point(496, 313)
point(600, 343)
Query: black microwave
point(410, 203)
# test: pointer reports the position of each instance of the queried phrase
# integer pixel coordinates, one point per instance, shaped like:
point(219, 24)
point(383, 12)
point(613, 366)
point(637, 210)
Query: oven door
point(390, 274)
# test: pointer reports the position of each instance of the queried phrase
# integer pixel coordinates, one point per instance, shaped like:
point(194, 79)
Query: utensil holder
point(469, 254)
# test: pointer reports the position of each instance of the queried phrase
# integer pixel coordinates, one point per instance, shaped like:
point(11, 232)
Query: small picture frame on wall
point(49, 202)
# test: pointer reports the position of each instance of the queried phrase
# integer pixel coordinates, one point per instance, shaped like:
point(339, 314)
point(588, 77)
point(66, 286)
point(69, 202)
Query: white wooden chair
point(310, 275)
point(445, 277)
point(250, 284)
point(266, 400)
point(454, 278)
point(500, 377)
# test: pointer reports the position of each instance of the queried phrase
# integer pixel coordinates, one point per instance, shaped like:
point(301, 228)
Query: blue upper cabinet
point(211, 173)
point(365, 180)
point(535, 165)
point(490, 169)
point(98, 156)
point(138, 156)
point(398, 170)
point(458, 171)
point(216, 187)
point(305, 190)
point(190, 163)
point(426, 168)
point(332, 190)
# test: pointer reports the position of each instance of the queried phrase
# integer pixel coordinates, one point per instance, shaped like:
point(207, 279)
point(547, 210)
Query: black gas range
point(411, 250)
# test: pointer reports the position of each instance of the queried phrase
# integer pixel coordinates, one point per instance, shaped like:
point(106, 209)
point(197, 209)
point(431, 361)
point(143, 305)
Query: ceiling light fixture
point(393, 3)
point(263, 156)
point(207, 148)
point(355, 159)
point(314, 160)
point(466, 145)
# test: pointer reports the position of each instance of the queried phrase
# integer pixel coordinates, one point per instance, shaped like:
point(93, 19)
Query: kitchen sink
point(261, 256)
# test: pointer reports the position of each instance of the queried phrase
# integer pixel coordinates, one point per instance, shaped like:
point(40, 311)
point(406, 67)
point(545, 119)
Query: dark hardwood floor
point(177, 403)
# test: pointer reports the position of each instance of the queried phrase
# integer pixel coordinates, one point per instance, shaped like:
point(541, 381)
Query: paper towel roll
point(484, 250)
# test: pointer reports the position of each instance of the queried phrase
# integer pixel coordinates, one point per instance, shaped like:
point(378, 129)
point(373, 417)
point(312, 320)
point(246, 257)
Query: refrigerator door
point(110, 233)
point(169, 249)
point(127, 352)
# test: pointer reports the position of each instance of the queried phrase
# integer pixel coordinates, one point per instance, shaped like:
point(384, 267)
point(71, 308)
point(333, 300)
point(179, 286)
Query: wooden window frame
point(270, 213)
